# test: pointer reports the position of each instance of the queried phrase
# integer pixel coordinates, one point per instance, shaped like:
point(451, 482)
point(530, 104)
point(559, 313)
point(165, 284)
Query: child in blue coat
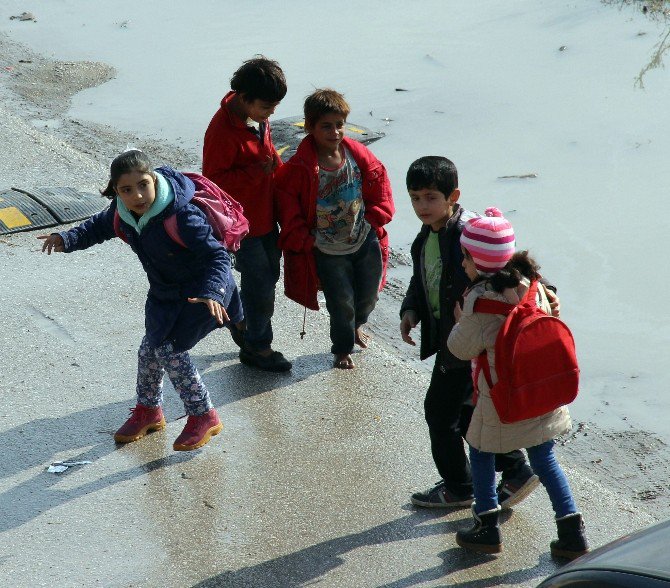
point(191, 289)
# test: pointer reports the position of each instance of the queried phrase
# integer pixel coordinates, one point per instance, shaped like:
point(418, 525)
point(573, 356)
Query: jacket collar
point(183, 187)
point(306, 152)
point(452, 221)
point(235, 120)
point(165, 195)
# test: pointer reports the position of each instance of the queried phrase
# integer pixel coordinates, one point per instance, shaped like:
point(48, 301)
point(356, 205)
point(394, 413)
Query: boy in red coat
point(239, 156)
point(333, 199)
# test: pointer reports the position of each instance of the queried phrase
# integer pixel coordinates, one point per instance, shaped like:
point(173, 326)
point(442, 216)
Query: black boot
point(484, 536)
point(571, 542)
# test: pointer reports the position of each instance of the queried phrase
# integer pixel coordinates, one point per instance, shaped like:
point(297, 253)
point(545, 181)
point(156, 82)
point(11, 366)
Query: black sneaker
point(439, 496)
point(275, 362)
point(514, 490)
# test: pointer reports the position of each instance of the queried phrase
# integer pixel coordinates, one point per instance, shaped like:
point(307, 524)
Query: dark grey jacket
point(453, 283)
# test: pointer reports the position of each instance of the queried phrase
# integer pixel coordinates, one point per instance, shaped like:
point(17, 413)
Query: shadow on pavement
point(309, 564)
point(35, 496)
point(39, 442)
point(230, 383)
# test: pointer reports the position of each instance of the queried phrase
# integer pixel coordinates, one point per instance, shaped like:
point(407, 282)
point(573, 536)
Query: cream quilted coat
point(476, 332)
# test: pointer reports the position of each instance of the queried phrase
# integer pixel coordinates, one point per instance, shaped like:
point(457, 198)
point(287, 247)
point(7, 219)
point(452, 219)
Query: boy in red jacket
point(239, 156)
point(334, 198)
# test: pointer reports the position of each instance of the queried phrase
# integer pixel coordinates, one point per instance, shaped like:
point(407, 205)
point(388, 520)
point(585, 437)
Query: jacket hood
point(183, 188)
point(226, 99)
point(236, 121)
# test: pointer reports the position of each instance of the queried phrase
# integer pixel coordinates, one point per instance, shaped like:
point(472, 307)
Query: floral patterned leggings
point(152, 364)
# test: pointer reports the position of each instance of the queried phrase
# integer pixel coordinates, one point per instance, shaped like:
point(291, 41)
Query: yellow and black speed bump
point(288, 132)
point(24, 210)
point(67, 204)
point(19, 212)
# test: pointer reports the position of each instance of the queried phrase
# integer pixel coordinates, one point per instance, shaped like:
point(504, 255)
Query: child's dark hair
point(259, 78)
point(433, 171)
point(324, 101)
point(126, 162)
point(521, 265)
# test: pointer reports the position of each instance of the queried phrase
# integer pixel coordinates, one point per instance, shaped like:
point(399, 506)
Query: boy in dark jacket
point(238, 156)
point(437, 285)
point(333, 199)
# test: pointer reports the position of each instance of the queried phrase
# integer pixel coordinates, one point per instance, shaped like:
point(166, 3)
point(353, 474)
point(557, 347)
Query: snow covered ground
point(502, 88)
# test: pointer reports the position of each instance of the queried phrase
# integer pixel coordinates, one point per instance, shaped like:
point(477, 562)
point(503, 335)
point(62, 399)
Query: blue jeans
point(544, 464)
point(258, 263)
point(448, 415)
point(350, 284)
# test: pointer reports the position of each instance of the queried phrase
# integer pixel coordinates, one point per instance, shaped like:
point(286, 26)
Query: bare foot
point(362, 338)
point(343, 361)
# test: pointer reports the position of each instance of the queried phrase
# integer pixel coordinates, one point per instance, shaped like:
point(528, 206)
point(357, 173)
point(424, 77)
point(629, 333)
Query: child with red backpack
point(510, 280)
point(191, 287)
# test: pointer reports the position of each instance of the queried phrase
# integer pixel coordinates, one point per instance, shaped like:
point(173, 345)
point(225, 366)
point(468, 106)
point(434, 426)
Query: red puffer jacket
point(232, 157)
point(296, 188)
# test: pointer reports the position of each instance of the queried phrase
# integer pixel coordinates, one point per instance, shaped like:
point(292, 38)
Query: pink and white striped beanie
point(489, 240)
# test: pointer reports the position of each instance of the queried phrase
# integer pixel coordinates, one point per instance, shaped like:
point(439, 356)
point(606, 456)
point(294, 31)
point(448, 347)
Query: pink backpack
point(224, 214)
point(536, 361)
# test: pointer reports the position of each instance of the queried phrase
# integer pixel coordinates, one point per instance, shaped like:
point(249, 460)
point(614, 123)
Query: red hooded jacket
point(296, 189)
point(232, 157)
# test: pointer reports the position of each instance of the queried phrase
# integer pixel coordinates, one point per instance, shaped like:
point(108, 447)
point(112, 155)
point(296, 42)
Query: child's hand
point(554, 302)
point(407, 323)
point(52, 243)
point(458, 312)
point(215, 309)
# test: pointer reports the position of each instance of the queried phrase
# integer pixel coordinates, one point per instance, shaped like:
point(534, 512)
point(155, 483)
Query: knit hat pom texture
point(489, 240)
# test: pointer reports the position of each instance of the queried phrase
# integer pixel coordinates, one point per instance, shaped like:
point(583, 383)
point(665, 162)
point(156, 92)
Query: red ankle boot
point(142, 420)
point(198, 431)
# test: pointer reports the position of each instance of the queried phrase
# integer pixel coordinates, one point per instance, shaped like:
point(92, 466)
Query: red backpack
point(536, 361)
point(224, 214)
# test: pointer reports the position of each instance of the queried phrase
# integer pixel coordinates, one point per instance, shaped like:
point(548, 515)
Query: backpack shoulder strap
point(531, 294)
point(482, 365)
point(117, 227)
point(170, 226)
point(202, 183)
point(488, 306)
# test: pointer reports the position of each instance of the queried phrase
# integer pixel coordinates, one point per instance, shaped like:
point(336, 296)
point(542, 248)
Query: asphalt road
point(308, 484)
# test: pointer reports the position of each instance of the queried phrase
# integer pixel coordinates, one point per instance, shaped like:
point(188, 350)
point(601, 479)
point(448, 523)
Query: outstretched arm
point(93, 231)
point(53, 242)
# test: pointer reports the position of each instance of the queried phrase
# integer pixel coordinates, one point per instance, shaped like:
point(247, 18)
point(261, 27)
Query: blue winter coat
point(175, 273)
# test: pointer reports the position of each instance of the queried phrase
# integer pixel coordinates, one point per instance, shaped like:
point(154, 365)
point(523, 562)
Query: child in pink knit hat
point(499, 273)
point(489, 240)
point(437, 285)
